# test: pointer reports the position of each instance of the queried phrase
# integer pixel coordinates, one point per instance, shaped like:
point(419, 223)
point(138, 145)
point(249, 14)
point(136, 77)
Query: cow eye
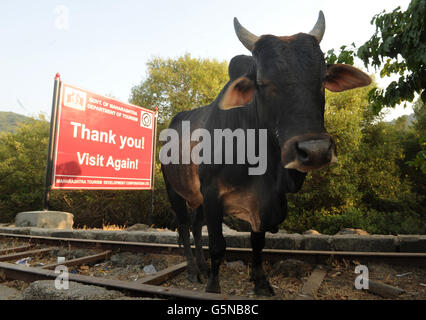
point(262, 83)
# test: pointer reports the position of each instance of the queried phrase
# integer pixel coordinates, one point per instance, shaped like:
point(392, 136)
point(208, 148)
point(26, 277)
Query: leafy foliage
point(346, 55)
point(174, 85)
point(398, 47)
point(419, 161)
point(22, 167)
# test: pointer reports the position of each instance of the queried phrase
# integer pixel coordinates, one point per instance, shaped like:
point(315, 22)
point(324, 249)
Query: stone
point(310, 231)
point(46, 290)
point(45, 219)
point(138, 227)
point(353, 231)
point(236, 265)
point(290, 268)
point(7, 293)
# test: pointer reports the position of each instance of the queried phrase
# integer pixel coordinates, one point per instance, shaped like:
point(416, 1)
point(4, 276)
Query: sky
point(103, 46)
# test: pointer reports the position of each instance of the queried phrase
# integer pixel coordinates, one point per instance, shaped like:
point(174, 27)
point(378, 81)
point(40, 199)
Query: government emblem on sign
point(75, 99)
point(146, 120)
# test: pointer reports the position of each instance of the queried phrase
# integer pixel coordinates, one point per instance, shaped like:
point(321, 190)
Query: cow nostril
point(302, 154)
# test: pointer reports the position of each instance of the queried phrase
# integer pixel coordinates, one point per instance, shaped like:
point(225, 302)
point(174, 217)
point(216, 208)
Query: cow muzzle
point(309, 152)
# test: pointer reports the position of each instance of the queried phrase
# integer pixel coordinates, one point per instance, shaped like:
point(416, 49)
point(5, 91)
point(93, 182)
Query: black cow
point(279, 88)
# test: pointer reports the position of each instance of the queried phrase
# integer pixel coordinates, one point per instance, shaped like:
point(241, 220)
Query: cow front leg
point(261, 283)
point(213, 211)
point(193, 273)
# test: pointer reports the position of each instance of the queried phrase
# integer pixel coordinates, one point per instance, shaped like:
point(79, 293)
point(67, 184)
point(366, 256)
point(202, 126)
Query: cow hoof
point(192, 277)
point(213, 286)
point(263, 289)
point(194, 274)
point(204, 269)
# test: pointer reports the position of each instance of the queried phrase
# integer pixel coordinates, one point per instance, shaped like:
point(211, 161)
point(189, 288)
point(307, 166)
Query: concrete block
point(283, 241)
point(13, 230)
point(412, 243)
point(63, 234)
point(45, 219)
point(316, 242)
point(234, 240)
point(374, 243)
point(110, 235)
point(41, 232)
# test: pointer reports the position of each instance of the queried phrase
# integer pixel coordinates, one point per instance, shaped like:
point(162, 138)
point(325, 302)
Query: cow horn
point(247, 38)
point(319, 28)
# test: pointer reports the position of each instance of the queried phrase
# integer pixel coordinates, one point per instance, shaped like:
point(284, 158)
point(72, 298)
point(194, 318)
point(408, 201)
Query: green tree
point(22, 168)
point(366, 188)
point(174, 85)
point(398, 47)
point(419, 128)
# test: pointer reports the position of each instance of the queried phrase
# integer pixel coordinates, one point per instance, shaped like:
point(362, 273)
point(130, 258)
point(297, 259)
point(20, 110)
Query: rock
point(149, 269)
point(45, 290)
point(290, 268)
point(45, 219)
point(7, 293)
point(353, 231)
point(311, 231)
point(138, 227)
point(236, 265)
point(69, 255)
point(125, 259)
point(384, 290)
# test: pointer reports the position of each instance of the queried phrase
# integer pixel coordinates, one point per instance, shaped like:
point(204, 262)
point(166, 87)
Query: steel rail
point(231, 253)
point(149, 285)
point(33, 274)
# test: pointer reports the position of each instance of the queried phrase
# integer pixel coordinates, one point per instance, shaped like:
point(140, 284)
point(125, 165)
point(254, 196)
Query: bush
point(23, 157)
point(370, 220)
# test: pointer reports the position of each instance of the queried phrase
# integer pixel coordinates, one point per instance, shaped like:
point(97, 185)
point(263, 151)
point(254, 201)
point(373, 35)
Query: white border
point(58, 124)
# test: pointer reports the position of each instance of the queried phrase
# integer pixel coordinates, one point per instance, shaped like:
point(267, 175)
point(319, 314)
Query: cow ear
point(341, 77)
point(239, 93)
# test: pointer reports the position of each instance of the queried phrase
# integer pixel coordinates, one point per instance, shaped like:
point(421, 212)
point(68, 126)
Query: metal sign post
point(52, 140)
point(153, 167)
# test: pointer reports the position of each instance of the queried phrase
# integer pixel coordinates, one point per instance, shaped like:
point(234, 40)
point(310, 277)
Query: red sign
point(102, 143)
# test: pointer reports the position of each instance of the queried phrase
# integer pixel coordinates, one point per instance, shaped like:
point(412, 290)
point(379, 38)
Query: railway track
point(153, 285)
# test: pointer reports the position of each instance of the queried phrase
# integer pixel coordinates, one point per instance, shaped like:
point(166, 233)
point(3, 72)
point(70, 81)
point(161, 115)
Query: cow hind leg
point(261, 283)
point(183, 216)
point(198, 241)
point(213, 211)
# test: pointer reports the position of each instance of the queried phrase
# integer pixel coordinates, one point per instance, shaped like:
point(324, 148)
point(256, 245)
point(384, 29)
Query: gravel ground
point(235, 280)
point(286, 277)
point(339, 281)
